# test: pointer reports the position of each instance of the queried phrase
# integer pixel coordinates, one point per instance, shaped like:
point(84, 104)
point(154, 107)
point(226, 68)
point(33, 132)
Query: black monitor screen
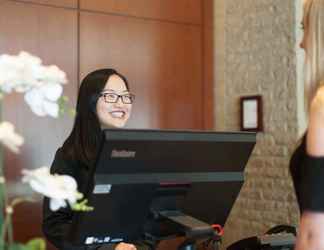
point(199, 172)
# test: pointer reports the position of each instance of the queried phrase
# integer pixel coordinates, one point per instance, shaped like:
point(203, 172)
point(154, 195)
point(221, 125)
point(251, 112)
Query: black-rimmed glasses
point(113, 98)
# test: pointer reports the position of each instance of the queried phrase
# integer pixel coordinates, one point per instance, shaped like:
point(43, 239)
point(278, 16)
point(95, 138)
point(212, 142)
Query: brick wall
point(255, 53)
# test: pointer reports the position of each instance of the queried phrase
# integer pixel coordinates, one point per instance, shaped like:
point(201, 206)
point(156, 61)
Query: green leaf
point(17, 246)
point(82, 206)
point(36, 244)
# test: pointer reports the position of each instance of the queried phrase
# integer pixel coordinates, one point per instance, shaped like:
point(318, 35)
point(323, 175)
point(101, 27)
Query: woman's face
point(111, 109)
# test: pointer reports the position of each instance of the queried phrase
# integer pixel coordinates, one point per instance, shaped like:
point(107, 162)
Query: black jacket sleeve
point(56, 224)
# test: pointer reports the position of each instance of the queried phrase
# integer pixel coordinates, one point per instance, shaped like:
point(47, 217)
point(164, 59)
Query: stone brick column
point(255, 54)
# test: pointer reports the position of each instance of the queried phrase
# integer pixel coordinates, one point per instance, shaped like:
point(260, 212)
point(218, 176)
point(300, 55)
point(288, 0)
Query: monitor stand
point(165, 211)
point(189, 227)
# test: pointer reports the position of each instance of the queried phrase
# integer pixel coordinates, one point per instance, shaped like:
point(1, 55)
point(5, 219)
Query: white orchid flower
point(53, 75)
point(59, 188)
point(43, 100)
point(9, 138)
point(19, 73)
point(42, 84)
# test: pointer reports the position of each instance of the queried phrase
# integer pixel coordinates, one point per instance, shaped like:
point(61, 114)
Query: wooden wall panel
point(60, 3)
point(164, 48)
point(208, 64)
point(208, 13)
point(50, 33)
point(161, 60)
point(208, 74)
point(188, 11)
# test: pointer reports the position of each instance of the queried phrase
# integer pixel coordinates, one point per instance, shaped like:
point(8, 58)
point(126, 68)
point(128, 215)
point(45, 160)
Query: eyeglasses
point(113, 98)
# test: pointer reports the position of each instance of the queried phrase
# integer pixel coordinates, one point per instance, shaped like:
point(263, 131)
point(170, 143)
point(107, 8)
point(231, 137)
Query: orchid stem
point(4, 202)
point(10, 230)
point(7, 218)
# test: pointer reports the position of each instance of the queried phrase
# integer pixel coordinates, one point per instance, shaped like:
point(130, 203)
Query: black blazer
point(56, 224)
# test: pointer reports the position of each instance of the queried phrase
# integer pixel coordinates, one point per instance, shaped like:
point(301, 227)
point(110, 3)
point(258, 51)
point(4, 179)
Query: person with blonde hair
point(307, 162)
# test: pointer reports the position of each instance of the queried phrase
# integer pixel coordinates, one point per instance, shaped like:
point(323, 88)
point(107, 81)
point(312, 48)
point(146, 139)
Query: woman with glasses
point(104, 101)
point(307, 163)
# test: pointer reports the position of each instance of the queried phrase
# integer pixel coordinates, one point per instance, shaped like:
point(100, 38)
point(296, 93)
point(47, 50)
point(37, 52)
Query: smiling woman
point(115, 103)
point(104, 101)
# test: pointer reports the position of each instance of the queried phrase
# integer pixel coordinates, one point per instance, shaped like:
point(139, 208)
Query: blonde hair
point(314, 46)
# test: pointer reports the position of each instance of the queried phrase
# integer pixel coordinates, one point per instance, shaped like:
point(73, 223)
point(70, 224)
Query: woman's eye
point(110, 96)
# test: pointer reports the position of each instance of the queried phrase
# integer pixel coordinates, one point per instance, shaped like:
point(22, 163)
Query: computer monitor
point(140, 171)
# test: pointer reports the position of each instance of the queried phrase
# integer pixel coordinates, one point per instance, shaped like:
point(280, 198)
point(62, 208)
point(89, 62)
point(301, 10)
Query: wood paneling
point(188, 11)
point(162, 61)
point(208, 64)
point(208, 76)
point(163, 47)
point(60, 3)
point(208, 13)
point(50, 33)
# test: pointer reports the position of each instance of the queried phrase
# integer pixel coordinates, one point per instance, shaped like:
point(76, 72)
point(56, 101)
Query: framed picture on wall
point(251, 113)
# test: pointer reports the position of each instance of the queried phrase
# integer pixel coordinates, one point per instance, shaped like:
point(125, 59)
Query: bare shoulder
point(317, 105)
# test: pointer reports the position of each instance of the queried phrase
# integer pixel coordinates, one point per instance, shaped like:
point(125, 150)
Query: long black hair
point(83, 142)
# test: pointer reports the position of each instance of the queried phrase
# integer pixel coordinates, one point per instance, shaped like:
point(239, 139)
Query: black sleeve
point(308, 174)
point(56, 224)
point(312, 184)
point(295, 165)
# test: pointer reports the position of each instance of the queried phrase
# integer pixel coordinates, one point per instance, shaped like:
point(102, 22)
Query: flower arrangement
point(42, 87)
